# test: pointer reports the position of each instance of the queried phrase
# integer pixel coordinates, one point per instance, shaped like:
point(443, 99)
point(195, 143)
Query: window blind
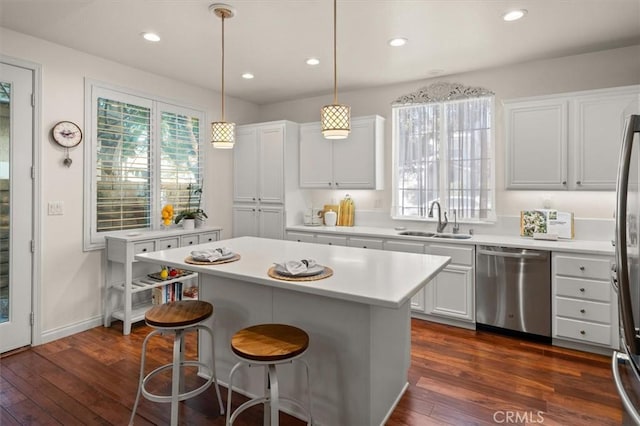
point(123, 166)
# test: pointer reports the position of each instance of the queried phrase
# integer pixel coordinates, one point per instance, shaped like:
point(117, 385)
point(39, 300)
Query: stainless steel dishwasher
point(513, 289)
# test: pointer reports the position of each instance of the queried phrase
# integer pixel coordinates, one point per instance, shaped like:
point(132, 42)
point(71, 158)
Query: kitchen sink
point(453, 236)
point(435, 235)
point(417, 233)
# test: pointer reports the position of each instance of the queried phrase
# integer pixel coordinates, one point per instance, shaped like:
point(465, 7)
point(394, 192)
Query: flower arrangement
point(167, 214)
point(195, 194)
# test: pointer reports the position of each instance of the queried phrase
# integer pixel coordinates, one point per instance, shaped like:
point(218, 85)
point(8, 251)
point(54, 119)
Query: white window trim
point(492, 218)
point(94, 89)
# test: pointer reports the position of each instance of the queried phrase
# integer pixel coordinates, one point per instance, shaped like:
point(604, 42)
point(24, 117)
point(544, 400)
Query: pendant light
point(222, 132)
point(335, 119)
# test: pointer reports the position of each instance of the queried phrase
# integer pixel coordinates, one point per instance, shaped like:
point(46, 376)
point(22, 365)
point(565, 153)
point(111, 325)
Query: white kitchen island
point(358, 320)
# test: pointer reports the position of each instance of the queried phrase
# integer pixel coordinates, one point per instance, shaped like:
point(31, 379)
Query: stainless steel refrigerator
point(625, 363)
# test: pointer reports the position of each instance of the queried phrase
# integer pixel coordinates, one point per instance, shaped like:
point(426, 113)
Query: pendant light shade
point(223, 134)
point(335, 119)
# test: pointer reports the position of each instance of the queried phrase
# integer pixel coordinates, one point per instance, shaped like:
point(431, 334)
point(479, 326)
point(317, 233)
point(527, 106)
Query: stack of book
point(167, 293)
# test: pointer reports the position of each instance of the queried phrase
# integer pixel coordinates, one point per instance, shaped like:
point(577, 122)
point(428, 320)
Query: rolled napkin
point(210, 255)
point(295, 267)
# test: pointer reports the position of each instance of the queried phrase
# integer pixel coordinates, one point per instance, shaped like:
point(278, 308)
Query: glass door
point(16, 206)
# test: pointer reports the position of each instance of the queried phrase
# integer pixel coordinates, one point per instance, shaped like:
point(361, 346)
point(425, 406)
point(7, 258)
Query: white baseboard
point(68, 330)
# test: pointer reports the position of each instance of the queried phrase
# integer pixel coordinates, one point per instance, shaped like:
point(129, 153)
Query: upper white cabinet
point(567, 141)
point(353, 163)
point(260, 179)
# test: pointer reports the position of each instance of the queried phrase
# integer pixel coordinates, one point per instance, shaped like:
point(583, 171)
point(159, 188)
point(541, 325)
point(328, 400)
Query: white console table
point(124, 277)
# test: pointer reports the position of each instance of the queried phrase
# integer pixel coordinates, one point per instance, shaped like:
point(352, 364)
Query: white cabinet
point(584, 303)
point(262, 220)
point(353, 163)
point(567, 141)
point(451, 294)
point(128, 288)
point(418, 300)
point(260, 155)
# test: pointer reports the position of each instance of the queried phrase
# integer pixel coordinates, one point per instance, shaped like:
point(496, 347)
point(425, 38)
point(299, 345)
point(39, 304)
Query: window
point(443, 151)
point(142, 154)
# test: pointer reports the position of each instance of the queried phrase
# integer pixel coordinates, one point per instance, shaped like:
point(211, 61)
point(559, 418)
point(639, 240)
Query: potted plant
point(193, 214)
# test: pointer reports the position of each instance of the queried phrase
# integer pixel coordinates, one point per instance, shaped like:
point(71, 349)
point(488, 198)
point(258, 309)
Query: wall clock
point(68, 135)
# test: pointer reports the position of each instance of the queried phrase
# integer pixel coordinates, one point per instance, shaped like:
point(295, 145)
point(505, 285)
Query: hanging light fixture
point(222, 132)
point(335, 118)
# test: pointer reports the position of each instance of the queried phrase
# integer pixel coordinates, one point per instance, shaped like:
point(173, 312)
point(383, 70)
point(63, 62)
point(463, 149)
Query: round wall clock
point(66, 134)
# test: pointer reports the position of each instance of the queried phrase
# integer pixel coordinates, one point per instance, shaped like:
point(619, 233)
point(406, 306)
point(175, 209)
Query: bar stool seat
point(177, 318)
point(269, 345)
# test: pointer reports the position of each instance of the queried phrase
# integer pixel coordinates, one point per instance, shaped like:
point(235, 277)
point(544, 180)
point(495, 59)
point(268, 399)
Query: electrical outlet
point(377, 203)
point(56, 208)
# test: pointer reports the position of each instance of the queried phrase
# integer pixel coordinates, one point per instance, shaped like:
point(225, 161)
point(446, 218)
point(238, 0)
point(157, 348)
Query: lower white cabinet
point(585, 306)
point(258, 221)
point(451, 294)
point(418, 300)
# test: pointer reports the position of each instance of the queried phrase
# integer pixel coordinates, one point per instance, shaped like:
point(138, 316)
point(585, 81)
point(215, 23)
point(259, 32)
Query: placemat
point(326, 274)
point(189, 259)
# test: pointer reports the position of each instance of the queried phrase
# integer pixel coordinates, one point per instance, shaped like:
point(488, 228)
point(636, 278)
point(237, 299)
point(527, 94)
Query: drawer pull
point(190, 242)
point(330, 243)
point(581, 268)
point(144, 249)
point(210, 239)
point(169, 246)
point(583, 332)
point(364, 246)
point(582, 311)
point(582, 290)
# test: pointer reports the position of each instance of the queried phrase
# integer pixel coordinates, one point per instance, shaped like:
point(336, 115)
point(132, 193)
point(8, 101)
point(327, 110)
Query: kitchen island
point(358, 320)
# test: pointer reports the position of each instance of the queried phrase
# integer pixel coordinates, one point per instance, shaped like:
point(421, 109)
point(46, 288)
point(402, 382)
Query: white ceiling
point(272, 38)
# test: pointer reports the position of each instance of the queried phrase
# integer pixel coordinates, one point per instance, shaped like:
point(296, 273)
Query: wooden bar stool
point(268, 345)
point(177, 318)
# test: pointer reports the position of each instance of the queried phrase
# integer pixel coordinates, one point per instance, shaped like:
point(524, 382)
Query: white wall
point(72, 279)
point(610, 68)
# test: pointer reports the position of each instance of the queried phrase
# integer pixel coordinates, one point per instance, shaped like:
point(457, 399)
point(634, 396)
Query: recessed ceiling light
point(397, 42)
point(313, 61)
point(514, 15)
point(247, 76)
point(151, 36)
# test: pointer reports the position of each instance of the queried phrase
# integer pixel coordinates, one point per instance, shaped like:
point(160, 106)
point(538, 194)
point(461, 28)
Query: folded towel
point(295, 267)
point(210, 255)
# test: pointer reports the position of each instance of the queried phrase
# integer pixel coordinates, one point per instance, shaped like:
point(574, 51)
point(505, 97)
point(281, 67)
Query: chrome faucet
point(441, 224)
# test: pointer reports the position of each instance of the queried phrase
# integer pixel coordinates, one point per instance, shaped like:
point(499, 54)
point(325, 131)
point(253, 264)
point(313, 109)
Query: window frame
point(93, 240)
point(443, 187)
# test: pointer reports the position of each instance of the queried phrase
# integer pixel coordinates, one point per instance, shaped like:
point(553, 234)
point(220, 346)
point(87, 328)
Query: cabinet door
point(598, 127)
point(450, 294)
point(271, 222)
point(301, 237)
point(418, 299)
point(271, 167)
point(354, 157)
point(536, 144)
point(316, 169)
point(245, 221)
point(245, 165)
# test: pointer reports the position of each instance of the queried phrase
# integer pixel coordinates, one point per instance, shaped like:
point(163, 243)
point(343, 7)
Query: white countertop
point(574, 246)
point(374, 277)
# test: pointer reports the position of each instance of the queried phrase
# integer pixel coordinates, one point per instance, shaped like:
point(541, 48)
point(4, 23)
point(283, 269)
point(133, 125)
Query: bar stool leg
point(273, 396)
point(143, 356)
point(213, 366)
point(176, 376)
point(306, 366)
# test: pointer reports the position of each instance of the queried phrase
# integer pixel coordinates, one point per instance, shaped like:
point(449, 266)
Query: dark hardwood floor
point(457, 377)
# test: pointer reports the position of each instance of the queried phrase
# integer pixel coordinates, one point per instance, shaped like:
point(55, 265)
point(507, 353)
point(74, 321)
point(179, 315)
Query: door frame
point(36, 264)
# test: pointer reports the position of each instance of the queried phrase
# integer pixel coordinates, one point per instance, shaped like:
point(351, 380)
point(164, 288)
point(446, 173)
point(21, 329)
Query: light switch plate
point(56, 208)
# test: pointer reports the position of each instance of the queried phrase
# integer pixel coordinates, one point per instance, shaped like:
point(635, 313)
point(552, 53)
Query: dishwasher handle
point(521, 255)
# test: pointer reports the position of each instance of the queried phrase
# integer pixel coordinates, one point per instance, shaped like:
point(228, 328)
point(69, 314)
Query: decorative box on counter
point(546, 224)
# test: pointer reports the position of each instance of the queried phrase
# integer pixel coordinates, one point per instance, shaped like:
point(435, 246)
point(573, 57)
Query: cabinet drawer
point(370, 243)
point(168, 243)
point(144, 247)
point(583, 289)
point(406, 246)
point(583, 267)
point(583, 310)
point(188, 240)
point(459, 255)
point(331, 240)
point(207, 237)
point(584, 331)
point(301, 237)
